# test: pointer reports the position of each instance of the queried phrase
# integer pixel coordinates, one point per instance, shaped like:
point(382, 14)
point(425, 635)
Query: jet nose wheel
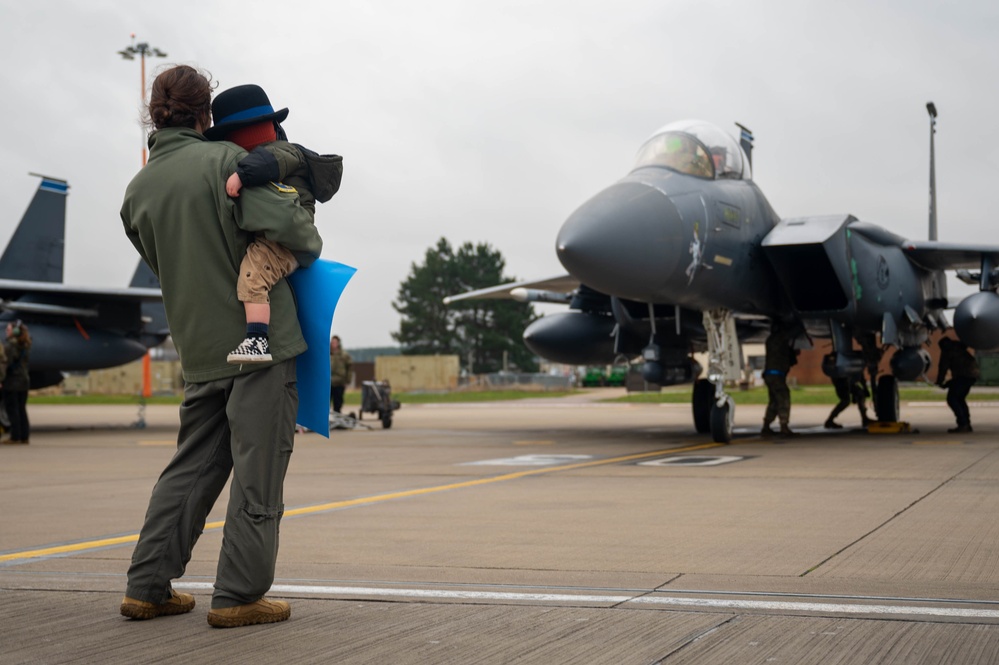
point(722, 418)
point(886, 399)
point(703, 400)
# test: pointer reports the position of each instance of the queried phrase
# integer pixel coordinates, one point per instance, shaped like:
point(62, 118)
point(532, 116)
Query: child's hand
point(233, 185)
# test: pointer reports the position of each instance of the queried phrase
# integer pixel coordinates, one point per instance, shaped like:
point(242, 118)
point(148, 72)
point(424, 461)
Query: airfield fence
point(522, 381)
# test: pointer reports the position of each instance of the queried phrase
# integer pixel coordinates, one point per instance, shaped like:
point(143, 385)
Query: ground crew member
point(341, 366)
point(781, 356)
point(850, 388)
point(872, 358)
point(963, 368)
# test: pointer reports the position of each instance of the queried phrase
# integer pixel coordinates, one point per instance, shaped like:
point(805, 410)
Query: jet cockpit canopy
point(696, 148)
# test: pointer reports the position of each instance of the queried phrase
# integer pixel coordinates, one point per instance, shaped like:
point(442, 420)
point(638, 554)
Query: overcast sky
point(492, 121)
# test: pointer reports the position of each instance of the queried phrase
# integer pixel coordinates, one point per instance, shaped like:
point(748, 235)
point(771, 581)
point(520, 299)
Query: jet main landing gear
point(723, 363)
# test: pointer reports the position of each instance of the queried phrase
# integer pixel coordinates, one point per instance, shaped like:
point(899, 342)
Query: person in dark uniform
point(781, 356)
point(956, 359)
point(341, 368)
point(872, 358)
point(849, 389)
point(16, 382)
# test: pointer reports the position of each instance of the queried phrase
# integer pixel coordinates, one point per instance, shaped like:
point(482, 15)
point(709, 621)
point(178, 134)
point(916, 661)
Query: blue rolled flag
point(317, 291)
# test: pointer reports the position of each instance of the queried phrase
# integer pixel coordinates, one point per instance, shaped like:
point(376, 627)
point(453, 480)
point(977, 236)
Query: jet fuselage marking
point(15, 558)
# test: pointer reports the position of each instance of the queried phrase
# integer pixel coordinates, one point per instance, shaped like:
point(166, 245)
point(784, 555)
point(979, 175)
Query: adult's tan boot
point(179, 603)
point(261, 611)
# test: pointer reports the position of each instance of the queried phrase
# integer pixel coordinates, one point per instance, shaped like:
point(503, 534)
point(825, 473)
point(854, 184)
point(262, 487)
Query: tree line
point(479, 332)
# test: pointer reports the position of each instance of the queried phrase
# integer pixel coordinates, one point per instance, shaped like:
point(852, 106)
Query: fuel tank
point(575, 338)
point(976, 320)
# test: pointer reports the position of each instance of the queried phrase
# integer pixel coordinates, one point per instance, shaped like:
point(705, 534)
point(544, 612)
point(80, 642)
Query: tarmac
point(561, 530)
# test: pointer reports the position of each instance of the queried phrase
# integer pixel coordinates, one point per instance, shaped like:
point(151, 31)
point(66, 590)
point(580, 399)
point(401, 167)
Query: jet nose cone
point(625, 241)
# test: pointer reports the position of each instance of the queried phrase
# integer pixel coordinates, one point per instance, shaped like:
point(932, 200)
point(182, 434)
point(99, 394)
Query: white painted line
point(655, 599)
point(693, 460)
point(438, 594)
point(973, 404)
point(539, 403)
point(829, 608)
point(531, 460)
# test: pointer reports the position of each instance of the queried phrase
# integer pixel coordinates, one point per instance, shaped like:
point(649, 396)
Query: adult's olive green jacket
point(193, 236)
point(341, 366)
point(16, 371)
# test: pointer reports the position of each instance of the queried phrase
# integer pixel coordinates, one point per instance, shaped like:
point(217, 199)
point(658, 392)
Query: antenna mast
point(932, 110)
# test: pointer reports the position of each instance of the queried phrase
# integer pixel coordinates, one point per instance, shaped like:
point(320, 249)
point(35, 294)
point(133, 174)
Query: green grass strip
point(352, 398)
point(800, 395)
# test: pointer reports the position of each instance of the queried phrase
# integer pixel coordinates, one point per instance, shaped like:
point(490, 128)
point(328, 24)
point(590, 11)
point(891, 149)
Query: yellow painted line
point(492, 479)
point(76, 547)
point(350, 503)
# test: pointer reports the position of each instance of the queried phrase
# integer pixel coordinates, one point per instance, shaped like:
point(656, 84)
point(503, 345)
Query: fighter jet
point(685, 254)
point(72, 328)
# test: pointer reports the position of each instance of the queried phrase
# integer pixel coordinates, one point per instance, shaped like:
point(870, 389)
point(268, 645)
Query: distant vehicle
point(685, 253)
point(598, 377)
point(72, 328)
point(376, 397)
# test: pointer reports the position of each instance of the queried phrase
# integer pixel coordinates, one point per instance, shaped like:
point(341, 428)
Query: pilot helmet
point(718, 155)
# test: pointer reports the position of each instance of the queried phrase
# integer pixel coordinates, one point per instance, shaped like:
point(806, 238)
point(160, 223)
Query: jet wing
point(57, 299)
point(935, 255)
point(554, 289)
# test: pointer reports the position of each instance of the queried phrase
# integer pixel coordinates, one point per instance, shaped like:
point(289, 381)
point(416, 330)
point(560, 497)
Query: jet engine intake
point(816, 247)
point(976, 320)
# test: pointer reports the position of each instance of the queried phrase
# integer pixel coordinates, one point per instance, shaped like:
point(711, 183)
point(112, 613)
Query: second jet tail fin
point(35, 251)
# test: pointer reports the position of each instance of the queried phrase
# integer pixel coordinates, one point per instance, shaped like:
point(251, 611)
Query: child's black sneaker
point(251, 350)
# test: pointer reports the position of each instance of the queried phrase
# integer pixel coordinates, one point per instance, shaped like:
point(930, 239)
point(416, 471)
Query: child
point(244, 116)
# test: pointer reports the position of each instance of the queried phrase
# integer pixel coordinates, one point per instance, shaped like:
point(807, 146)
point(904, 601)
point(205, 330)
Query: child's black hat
point(241, 106)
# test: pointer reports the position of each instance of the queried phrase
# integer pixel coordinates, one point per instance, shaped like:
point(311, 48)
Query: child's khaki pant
point(264, 264)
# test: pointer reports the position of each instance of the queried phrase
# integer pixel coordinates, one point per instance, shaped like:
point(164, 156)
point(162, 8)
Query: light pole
point(932, 110)
point(142, 49)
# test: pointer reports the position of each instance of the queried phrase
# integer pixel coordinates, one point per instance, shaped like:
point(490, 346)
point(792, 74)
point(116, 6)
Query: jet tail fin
point(154, 321)
point(144, 277)
point(746, 141)
point(35, 251)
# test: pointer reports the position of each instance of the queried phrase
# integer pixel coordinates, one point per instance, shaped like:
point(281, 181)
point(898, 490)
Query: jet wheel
point(886, 399)
point(702, 400)
point(722, 418)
